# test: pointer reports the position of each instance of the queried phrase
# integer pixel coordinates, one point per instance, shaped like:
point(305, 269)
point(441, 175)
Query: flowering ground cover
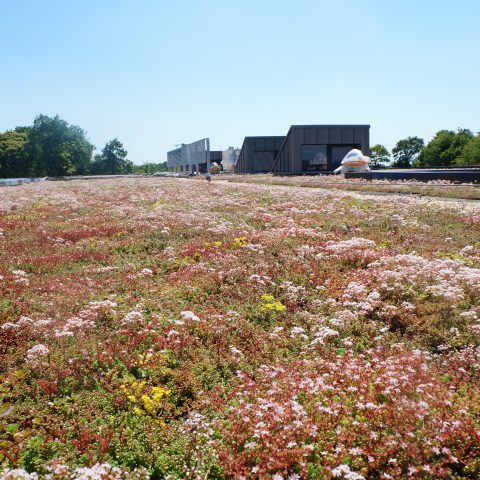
point(433, 188)
point(167, 328)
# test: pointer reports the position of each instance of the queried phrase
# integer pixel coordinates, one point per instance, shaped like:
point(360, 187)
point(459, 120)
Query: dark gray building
point(258, 154)
point(319, 148)
point(215, 156)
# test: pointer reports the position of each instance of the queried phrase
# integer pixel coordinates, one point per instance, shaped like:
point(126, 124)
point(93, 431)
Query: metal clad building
point(258, 154)
point(319, 148)
point(174, 159)
point(189, 157)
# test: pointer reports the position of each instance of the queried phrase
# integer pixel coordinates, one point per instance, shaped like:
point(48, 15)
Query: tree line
point(51, 147)
point(447, 148)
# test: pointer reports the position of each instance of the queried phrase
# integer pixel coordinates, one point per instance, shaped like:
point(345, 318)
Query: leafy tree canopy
point(405, 151)
point(470, 153)
point(151, 167)
point(52, 147)
point(379, 156)
point(56, 148)
point(112, 160)
point(444, 149)
point(13, 158)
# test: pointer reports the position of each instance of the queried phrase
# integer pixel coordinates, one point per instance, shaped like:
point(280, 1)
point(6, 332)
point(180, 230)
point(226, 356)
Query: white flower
point(468, 250)
point(188, 315)
point(9, 326)
point(132, 317)
point(36, 356)
point(146, 272)
point(293, 476)
point(17, 474)
point(236, 352)
point(97, 472)
point(344, 471)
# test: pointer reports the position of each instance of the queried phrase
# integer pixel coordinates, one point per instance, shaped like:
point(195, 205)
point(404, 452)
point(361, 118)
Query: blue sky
point(158, 73)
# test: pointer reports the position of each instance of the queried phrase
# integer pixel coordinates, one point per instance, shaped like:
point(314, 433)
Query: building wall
point(258, 154)
point(216, 156)
point(188, 155)
point(174, 159)
point(289, 159)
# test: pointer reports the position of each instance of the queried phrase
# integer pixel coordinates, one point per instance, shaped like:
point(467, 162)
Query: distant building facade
point(258, 154)
point(306, 149)
point(319, 148)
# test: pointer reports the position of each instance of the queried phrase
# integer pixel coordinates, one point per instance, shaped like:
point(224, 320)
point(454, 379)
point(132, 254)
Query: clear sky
point(158, 73)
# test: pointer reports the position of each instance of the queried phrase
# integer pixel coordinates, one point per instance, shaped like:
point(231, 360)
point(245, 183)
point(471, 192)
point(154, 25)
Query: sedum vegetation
point(432, 189)
point(154, 328)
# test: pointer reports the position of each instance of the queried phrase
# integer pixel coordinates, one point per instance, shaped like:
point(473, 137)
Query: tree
point(379, 156)
point(444, 149)
point(470, 153)
point(56, 148)
point(150, 167)
point(14, 160)
point(112, 160)
point(405, 152)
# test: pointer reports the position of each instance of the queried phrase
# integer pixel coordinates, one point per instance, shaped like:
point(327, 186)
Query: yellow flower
point(272, 307)
point(240, 242)
point(266, 298)
point(149, 399)
point(269, 304)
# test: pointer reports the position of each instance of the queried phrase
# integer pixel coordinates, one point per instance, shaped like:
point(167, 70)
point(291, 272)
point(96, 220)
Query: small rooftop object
point(214, 168)
point(10, 182)
point(354, 161)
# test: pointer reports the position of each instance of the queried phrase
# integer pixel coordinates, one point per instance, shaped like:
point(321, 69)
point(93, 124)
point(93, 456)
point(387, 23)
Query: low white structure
point(10, 182)
point(354, 161)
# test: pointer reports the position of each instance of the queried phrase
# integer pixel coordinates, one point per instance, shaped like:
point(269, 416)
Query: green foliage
point(52, 147)
point(113, 159)
point(13, 156)
point(151, 168)
point(470, 153)
point(405, 151)
point(379, 156)
point(33, 457)
point(445, 148)
point(56, 148)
